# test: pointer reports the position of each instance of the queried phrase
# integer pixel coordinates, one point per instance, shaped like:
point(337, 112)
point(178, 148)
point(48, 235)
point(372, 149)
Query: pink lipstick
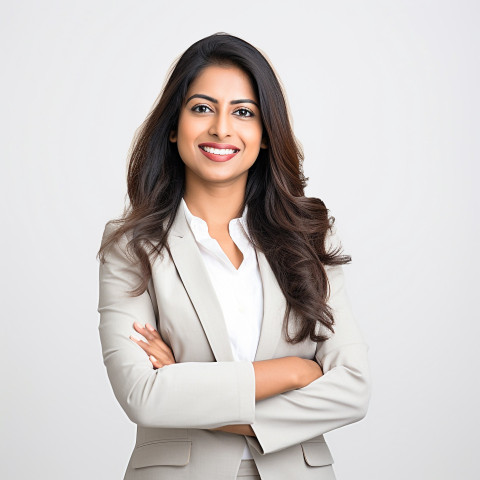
point(218, 152)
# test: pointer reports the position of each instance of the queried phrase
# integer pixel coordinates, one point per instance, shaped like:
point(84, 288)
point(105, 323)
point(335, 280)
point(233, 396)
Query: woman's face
point(219, 133)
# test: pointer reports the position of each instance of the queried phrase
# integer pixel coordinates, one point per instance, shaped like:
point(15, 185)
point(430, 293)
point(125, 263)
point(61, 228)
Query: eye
point(244, 112)
point(201, 108)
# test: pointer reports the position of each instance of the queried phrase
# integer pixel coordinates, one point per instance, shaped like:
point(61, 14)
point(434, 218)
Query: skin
point(214, 191)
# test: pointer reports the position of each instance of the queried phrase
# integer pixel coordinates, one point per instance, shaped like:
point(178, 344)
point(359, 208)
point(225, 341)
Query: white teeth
point(218, 151)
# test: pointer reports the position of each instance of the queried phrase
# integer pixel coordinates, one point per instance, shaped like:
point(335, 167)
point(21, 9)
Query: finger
point(155, 344)
point(155, 362)
point(162, 351)
point(141, 330)
point(166, 359)
point(154, 338)
point(153, 332)
point(141, 344)
point(160, 359)
point(150, 328)
point(148, 331)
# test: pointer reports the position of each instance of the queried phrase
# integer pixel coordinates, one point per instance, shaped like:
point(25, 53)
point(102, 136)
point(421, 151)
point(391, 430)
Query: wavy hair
point(289, 228)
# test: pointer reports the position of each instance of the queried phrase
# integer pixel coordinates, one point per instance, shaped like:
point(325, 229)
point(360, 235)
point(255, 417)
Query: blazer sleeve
point(181, 395)
point(338, 398)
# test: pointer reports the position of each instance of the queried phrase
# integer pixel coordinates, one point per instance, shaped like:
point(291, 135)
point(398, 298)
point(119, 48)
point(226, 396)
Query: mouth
point(218, 152)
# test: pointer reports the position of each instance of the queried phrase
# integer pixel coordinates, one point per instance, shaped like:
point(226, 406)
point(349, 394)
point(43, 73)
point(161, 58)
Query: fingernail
point(134, 338)
point(152, 358)
point(148, 326)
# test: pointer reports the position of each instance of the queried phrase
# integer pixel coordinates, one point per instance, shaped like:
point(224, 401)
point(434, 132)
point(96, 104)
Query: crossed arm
point(280, 410)
point(272, 377)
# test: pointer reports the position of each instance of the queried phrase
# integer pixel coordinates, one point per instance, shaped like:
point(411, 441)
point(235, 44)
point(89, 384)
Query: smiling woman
point(234, 279)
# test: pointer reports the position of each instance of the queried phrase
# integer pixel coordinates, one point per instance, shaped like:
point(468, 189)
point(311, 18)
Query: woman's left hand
point(242, 429)
point(157, 350)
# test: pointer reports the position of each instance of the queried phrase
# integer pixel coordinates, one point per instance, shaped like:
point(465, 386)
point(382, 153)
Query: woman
point(234, 279)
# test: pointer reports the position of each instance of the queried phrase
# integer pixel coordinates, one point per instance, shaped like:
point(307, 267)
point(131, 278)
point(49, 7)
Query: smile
point(219, 151)
point(218, 154)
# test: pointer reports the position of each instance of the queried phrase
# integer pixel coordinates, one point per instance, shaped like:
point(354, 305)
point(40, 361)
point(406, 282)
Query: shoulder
point(114, 243)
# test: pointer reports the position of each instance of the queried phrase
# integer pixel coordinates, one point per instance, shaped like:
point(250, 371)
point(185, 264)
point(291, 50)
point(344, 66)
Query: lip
point(218, 158)
point(218, 145)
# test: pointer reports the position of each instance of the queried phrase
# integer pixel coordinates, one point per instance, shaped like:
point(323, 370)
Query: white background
point(385, 100)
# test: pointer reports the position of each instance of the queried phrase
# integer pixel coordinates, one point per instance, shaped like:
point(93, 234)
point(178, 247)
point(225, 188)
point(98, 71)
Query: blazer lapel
point(274, 305)
point(195, 278)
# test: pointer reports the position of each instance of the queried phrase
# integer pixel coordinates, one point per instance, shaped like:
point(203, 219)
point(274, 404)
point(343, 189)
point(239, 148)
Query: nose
point(221, 125)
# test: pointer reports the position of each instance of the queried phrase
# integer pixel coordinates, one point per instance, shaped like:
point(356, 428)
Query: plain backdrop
point(385, 101)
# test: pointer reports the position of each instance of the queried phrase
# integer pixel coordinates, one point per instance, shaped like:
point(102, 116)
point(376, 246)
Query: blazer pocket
point(316, 454)
point(162, 453)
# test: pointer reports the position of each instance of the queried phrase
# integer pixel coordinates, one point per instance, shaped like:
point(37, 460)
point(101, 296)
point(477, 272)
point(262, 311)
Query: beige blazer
point(175, 405)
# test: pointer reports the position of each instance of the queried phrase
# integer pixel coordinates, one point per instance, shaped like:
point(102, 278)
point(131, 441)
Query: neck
point(217, 204)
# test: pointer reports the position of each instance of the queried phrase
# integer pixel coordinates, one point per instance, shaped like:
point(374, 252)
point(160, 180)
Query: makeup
point(218, 152)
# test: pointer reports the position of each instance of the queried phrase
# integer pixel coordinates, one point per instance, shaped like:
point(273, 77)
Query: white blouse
point(239, 291)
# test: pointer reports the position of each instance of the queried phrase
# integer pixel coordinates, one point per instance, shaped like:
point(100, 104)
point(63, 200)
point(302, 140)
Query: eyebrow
point(214, 100)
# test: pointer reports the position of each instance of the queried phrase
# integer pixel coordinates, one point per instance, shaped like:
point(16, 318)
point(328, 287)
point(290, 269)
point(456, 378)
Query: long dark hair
point(289, 228)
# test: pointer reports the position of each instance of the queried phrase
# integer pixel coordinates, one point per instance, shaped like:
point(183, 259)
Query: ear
point(173, 136)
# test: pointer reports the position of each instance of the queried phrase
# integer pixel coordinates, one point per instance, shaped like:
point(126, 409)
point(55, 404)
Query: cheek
point(191, 129)
point(254, 138)
point(185, 139)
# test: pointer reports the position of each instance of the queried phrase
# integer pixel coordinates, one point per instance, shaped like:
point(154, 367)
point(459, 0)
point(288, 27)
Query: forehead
point(222, 82)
